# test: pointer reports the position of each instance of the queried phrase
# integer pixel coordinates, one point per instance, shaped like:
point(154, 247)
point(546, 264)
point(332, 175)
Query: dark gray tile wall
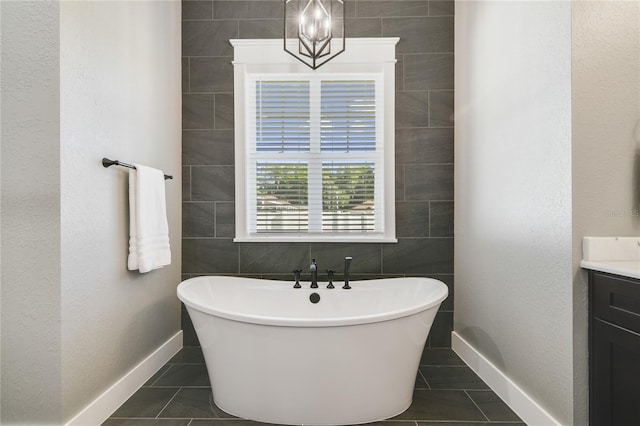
point(424, 147)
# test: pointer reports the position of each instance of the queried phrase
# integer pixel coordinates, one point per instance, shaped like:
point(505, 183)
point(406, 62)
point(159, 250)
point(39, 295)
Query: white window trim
point(362, 55)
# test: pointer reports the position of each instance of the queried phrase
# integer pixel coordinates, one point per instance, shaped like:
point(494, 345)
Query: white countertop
point(628, 268)
point(614, 255)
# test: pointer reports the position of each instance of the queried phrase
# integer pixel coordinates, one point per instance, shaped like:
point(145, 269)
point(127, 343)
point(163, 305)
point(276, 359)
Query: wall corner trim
point(99, 410)
point(516, 398)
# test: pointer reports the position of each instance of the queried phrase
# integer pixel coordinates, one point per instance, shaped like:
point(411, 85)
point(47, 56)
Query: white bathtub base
point(304, 375)
point(276, 354)
point(322, 424)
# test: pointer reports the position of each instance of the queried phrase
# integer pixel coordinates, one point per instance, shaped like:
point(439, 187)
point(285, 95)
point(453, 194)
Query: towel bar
point(108, 163)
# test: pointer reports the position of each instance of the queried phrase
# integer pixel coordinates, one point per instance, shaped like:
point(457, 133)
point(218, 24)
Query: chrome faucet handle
point(330, 273)
point(296, 274)
point(347, 265)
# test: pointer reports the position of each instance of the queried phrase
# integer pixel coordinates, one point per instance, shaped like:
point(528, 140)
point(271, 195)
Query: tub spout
point(314, 274)
point(347, 265)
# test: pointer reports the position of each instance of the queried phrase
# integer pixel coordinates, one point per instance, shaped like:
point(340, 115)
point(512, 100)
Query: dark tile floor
point(447, 392)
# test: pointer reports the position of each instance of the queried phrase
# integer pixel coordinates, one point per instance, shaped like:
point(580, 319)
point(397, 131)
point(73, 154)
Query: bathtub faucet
point(314, 274)
point(347, 265)
point(296, 274)
point(330, 273)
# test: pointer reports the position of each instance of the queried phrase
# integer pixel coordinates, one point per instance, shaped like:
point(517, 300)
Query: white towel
point(148, 227)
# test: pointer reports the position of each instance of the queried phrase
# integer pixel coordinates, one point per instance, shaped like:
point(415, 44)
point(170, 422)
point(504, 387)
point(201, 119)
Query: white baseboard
point(517, 399)
point(104, 405)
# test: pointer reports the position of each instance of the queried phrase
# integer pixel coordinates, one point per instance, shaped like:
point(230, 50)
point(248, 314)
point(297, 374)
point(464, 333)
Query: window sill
point(313, 239)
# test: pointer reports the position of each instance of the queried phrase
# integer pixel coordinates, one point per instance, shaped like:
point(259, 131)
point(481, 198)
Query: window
point(314, 150)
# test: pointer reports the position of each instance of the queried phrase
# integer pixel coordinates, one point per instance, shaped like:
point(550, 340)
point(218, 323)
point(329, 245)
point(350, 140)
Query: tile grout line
point(477, 406)
point(428, 108)
point(168, 402)
point(429, 216)
point(214, 110)
point(443, 365)
point(161, 376)
point(130, 418)
point(404, 82)
point(425, 379)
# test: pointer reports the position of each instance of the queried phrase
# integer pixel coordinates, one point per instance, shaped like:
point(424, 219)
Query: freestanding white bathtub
point(276, 357)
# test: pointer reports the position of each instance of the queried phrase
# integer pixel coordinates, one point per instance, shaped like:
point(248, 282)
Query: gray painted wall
point(120, 93)
point(1, 137)
point(30, 194)
point(538, 337)
point(424, 147)
point(82, 80)
point(513, 249)
point(605, 80)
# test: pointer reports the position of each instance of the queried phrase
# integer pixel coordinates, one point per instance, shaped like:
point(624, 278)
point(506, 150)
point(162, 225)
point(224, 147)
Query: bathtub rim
point(314, 322)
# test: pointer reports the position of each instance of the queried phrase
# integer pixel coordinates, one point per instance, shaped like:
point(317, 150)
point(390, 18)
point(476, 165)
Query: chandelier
point(314, 30)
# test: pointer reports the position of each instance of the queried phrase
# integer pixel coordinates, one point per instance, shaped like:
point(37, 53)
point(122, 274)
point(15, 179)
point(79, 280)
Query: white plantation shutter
point(315, 154)
point(282, 116)
point(348, 196)
point(348, 114)
point(349, 124)
point(279, 200)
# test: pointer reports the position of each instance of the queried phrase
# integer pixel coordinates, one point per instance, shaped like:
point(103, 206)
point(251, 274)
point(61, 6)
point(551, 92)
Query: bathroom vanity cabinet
point(614, 346)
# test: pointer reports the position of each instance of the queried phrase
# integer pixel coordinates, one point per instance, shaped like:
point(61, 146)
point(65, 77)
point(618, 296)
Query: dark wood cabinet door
point(615, 380)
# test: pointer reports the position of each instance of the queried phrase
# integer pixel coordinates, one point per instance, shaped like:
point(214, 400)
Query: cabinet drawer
point(617, 300)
